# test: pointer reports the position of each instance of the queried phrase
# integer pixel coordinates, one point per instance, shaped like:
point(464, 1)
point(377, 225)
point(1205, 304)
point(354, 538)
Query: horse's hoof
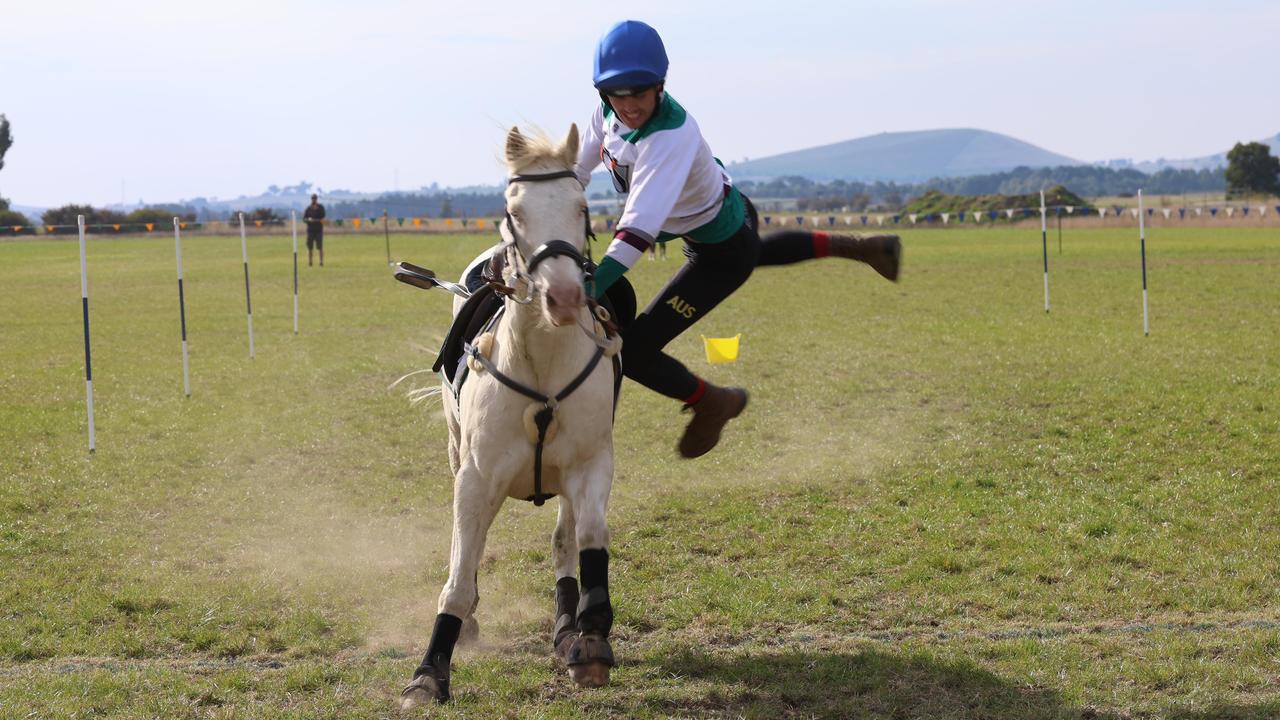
point(470, 633)
point(589, 660)
point(422, 691)
point(590, 675)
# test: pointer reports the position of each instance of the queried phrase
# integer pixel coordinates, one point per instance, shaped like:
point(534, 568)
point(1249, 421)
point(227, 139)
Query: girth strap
point(549, 404)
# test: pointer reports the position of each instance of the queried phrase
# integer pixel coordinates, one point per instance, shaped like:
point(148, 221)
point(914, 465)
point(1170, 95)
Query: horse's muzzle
point(564, 304)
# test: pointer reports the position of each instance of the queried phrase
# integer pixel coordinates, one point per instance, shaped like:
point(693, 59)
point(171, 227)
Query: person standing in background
point(314, 217)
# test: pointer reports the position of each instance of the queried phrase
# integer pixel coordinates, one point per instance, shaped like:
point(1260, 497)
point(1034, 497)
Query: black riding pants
point(711, 273)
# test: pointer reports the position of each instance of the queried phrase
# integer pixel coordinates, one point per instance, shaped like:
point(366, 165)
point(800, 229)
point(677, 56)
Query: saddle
point(482, 310)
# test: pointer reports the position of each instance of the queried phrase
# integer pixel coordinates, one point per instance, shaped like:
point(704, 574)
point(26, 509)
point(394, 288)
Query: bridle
point(493, 272)
point(493, 275)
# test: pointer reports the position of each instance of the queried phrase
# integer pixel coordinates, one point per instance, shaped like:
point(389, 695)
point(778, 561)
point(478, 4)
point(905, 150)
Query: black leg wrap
point(566, 596)
point(595, 613)
point(440, 650)
point(566, 627)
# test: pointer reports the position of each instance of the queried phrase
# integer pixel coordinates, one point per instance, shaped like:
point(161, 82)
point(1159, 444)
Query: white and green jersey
point(674, 186)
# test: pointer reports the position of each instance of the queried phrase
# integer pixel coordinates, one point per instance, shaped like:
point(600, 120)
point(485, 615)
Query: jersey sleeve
point(657, 179)
point(589, 147)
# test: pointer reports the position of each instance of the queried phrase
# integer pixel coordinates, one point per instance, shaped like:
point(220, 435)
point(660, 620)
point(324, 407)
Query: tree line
point(1088, 181)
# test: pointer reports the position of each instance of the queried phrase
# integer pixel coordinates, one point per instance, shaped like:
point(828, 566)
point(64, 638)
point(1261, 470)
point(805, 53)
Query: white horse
point(545, 341)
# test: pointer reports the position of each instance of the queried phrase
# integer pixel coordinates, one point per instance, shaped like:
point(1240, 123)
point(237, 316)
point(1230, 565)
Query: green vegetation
point(934, 202)
point(1086, 180)
point(11, 221)
point(941, 503)
point(6, 142)
point(1252, 170)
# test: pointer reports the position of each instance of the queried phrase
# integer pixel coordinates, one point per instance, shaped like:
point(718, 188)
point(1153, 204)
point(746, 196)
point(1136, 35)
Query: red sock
point(821, 245)
point(697, 394)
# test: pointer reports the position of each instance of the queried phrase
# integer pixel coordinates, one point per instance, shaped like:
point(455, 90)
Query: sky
point(157, 100)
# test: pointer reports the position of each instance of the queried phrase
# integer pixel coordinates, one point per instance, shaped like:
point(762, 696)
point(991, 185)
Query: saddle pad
point(472, 316)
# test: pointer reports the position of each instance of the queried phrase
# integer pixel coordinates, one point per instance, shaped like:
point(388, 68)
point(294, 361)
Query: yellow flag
point(117, 227)
point(721, 350)
point(183, 226)
point(17, 228)
point(356, 222)
point(48, 228)
point(150, 226)
point(448, 223)
point(258, 223)
point(417, 222)
point(479, 223)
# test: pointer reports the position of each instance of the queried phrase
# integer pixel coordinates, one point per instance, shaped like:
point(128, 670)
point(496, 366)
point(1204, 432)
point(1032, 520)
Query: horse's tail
point(417, 395)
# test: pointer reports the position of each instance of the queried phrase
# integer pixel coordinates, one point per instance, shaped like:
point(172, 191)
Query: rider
point(657, 156)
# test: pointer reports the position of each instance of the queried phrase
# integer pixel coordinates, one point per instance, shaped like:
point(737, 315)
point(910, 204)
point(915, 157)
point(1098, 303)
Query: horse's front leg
point(564, 546)
point(475, 503)
point(590, 656)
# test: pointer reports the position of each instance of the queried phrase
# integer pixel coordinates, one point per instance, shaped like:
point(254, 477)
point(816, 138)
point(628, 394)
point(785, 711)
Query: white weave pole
point(248, 306)
point(1044, 245)
point(182, 310)
point(84, 304)
point(1142, 240)
point(294, 215)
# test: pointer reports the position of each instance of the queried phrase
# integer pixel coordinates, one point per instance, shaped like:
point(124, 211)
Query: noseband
point(553, 248)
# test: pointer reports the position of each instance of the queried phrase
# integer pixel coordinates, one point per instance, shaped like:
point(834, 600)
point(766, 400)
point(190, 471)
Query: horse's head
point(546, 203)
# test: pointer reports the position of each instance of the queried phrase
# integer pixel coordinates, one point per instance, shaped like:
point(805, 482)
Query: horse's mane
point(535, 147)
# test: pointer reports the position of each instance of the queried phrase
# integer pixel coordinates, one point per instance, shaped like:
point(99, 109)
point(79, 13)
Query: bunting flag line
point(1232, 211)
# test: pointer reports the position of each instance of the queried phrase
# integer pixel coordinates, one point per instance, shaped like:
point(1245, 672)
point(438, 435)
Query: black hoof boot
point(590, 658)
point(431, 679)
point(566, 629)
point(430, 686)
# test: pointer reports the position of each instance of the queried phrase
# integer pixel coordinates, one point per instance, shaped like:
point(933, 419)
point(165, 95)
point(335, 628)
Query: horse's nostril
point(551, 300)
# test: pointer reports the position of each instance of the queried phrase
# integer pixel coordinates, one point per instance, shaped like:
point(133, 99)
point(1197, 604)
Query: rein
point(493, 276)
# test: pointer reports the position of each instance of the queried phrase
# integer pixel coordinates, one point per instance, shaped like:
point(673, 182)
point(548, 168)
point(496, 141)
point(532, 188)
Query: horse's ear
point(569, 150)
point(517, 146)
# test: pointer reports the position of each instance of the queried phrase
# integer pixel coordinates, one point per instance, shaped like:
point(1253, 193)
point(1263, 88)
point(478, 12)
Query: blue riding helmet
point(630, 55)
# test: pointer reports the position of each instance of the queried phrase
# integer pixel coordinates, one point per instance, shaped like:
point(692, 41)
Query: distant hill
point(1208, 162)
point(904, 157)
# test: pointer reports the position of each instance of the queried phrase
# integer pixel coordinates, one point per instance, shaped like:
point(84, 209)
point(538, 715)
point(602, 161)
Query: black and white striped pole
point(182, 309)
point(248, 305)
point(1044, 245)
point(1142, 244)
point(294, 215)
point(84, 305)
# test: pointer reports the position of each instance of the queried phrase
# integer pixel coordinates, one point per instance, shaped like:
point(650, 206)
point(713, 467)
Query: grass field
point(941, 503)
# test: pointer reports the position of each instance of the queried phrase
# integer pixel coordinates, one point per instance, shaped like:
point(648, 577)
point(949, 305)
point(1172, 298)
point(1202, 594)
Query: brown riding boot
point(717, 407)
point(882, 252)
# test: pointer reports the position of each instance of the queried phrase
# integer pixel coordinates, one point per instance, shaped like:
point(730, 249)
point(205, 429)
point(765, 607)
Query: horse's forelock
point(537, 147)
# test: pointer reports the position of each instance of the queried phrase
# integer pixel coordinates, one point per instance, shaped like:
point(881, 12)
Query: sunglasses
point(628, 91)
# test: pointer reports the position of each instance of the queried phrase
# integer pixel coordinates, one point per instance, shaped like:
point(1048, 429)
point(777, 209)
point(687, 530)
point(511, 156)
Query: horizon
point(182, 102)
